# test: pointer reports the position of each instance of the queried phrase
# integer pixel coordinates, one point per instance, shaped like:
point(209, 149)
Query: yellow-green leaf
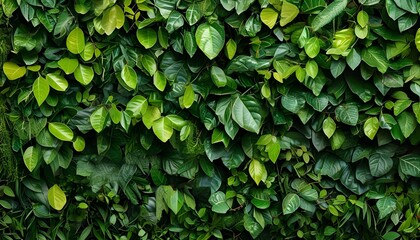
point(60, 131)
point(163, 129)
point(269, 17)
point(189, 96)
point(75, 41)
point(41, 89)
point(288, 13)
point(56, 197)
point(257, 171)
point(31, 157)
point(13, 71)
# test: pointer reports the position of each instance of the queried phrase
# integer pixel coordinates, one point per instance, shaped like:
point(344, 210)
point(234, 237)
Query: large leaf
point(129, 76)
point(84, 74)
point(57, 82)
point(408, 5)
point(210, 39)
point(41, 89)
point(56, 197)
point(147, 37)
point(68, 65)
point(348, 114)
point(288, 12)
point(137, 106)
point(218, 202)
point(248, 113)
point(98, 119)
point(380, 164)
point(75, 41)
point(269, 17)
point(410, 165)
point(328, 14)
point(375, 57)
point(174, 199)
point(31, 157)
point(163, 129)
point(13, 71)
point(257, 171)
point(290, 203)
point(407, 122)
point(386, 206)
point(60, 131)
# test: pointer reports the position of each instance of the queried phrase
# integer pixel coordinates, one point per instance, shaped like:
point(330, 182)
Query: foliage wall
point(212, 119)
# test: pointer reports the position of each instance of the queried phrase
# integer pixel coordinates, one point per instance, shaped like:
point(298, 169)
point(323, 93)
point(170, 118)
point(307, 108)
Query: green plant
point(214, 119)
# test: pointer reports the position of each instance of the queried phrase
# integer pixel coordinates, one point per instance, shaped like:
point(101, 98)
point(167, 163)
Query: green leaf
point(362, 18)
point(230, 49)
point(328, 14)
point(386, 205)
point(410, 165)
point(210, 38)
point(242, 6)
point(312, 47)
point(163, 129)
point(312, 68)
point(56, 197)
point(13, 71)
point(75, 41)
point(174, 21)
point(23, 39)
point(68, 65)
point(98, 119)
point(84, 74)
point(152, 114)
point(408, 5)
point(147, 37)
point(31, 157)
point(371, 127)
point(79, 144)
point(218, 76)
point(60, 131)
point(273, 150)
point(189, 96)
point(9, 6)
point(347, 114)
point(248, 113)
point(337, 68)
point(252, 226)
point(406, 22)
point(391, 236)
point(257, 171)
point(190, 44)
point(290, 203)
point(393, 10)
point(193, 14)
point(329, 126)
point(129, 76)
point(137, 106)
point(288, 12)
point(57, 82)
point(417, 40)
point(41, 89)
point(159, 80)
point(380, 164)
point(401, 105)
point(375, 57)
point(353, 59)
point(218, 202)
point(269, 17)
point(293, 102)
point(149, 64)
point(407, 123)
point(112, 18)
point(174, 199)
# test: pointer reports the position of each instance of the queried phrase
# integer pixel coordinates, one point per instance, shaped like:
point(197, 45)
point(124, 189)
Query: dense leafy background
point(230, 119)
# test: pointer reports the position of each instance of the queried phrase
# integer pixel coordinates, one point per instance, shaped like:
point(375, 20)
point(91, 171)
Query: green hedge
point(212, 119)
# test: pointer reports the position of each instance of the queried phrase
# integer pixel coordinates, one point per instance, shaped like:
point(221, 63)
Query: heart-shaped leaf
point(210, 39)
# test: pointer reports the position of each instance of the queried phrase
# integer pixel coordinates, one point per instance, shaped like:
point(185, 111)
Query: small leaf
point(79, 144)
point(13, 71)
point(189, 96)
point(269, 17)
point(218, 76)
point(218, 202)
point(362, 18)
point(312, 47)
point(129, 76)
point(98, 119)
point(290, 203)
point(159, 80)
point(31, 157)
point(328, 126)
point(56, 197)
point(60, 131)
point(257, 171)
point(353, 59)
point(386, 205)
point(163, 129)
point(371, 127)
point(147, 37)
point(41, 89)
point(75, 41)
point(57, 82)
point(136, 106)
point(231, 49)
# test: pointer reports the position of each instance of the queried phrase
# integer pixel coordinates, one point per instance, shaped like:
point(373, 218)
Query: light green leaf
point(75, 41)
point(190, 44)
point(159, 80)
point(149, 64)
point(162, 128)
point(362, 18)
point(56, 197)
point(269, 17)
point(13, 71)
point(79, 144)
point(371, 127)
point(410, 165)
point(329, 126)
point(380, 164)
point(218, 202)
point(88, 52)
point(257, 171)
point(290, 203)
point(137, 106)
point(112, 18)
point(31, 157)
point(312, 47)
point(147, 37)
point(401, 105)
point(273, 150)
point(60, 131)
point(386, 205)
point(189, 96)
point(84, 74)
point(230, 49)
point(57, 82)
point(98, 119)
point(248, 113)
point(288, 13)
point(407, 123)
point(174, 21)
point(328, 14)
point(68, 65)
point(375, 57)
point(348, 114)
point(417, 39)
point(41, 89)
point(129, 76)
point(152, 114)
point(353, 59)
point(210, 38)
point(9, 6)
point(218, 76)
point(312, 68)
point(193, 14)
